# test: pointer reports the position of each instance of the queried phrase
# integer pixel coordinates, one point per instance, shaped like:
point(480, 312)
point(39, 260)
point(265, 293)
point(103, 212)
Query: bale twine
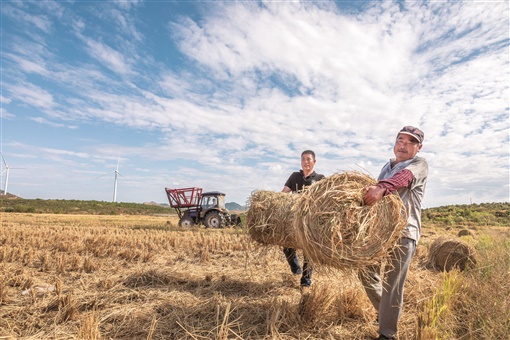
point(446, 253)
point(335, 228)
point(270, 218)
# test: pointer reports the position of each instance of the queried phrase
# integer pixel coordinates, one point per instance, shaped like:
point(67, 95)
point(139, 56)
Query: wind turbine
point(6, 171)
point(117, 174)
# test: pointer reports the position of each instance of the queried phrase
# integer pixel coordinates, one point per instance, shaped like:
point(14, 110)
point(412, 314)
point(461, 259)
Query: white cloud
point(108, 56)
point(28, 66)
point(6, 115)
point(45, 121)
point(127, 4)
point(4, 100)
point(64, 152)
point(32, 95)
point(28, 21)
point(126, 25)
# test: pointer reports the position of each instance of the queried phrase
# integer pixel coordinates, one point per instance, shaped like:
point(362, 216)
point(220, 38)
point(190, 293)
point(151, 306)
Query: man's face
point(307, 162)
point(406, 147)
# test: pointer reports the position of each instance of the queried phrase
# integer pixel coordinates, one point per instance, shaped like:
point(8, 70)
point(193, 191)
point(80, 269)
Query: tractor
point(195, 207)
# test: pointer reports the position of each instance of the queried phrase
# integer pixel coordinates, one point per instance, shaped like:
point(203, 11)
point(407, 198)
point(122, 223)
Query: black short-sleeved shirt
point(297, 181)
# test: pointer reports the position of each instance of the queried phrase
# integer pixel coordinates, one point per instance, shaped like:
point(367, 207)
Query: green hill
point(469, 214)
point(81, 207)
point(450, 215)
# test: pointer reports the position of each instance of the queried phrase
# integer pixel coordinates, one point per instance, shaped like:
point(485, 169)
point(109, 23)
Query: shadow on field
point(208, 286)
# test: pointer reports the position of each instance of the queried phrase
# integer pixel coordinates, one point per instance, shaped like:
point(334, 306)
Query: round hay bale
point(464, 232)
point(446, 253)
point(270, 218)
point(335, 228)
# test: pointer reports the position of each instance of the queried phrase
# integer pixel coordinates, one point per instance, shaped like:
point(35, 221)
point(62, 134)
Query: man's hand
point(373, 194)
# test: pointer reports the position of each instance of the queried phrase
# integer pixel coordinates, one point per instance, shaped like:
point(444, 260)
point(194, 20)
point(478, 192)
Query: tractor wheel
point(186, 221)
point(214, 220)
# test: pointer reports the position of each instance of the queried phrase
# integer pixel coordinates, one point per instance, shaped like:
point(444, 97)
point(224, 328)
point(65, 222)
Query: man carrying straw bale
point(297, 180)
point(406, 174)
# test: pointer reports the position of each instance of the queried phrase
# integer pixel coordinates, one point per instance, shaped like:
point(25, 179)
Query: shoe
point(383, 337)
point(298, 272)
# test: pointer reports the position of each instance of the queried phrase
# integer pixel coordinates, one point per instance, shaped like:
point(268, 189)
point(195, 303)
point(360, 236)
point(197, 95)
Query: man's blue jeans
point(292, 259)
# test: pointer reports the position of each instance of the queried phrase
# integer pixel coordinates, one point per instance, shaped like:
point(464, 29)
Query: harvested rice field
point(142, 277)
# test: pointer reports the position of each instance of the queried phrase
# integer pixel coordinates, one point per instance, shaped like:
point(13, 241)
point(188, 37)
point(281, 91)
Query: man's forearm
point(400, 180)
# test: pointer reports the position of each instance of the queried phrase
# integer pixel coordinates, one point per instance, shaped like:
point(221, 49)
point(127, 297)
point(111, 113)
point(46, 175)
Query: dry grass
point(473, 303)
point(128, 277)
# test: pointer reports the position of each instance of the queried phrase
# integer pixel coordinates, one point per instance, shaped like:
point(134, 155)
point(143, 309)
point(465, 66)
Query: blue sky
point(226, 95)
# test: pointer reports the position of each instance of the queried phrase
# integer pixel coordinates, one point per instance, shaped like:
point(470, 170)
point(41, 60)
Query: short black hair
point(308, 152)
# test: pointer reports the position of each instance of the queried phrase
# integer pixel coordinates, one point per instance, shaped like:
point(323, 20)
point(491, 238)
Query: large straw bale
point(446, 253)
point(329, 221)
point(335, 228)
point(270, 218)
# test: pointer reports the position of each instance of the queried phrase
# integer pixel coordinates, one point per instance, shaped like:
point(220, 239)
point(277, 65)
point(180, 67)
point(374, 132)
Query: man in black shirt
point(297, 180)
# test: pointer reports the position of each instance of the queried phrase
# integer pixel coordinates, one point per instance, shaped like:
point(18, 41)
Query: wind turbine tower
point(6, 171)
point(117, 173)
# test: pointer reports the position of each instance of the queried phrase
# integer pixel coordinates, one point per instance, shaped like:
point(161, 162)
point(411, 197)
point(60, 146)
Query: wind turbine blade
point(104, 175)
point(100, 176)
point(3, 159)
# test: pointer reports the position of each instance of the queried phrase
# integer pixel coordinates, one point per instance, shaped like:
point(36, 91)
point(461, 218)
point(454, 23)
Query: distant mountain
point(234, 206)
point(157, 204)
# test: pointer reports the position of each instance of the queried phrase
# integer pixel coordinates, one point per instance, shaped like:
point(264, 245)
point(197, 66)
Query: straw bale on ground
point(270, 218)
point(446, 253)
point(464, 232)
point(329, 221)
point(334, 227)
